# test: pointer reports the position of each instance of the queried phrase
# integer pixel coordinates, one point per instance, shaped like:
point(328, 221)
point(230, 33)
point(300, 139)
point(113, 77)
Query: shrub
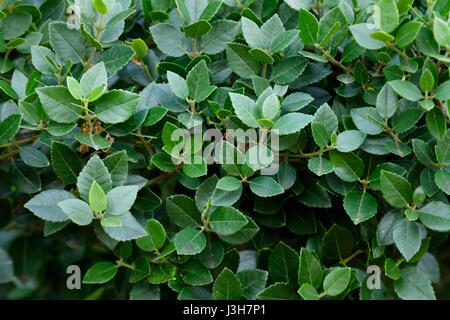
point(329, 161)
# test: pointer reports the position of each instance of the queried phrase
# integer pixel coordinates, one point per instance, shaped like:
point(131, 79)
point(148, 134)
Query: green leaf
point(68, 43)
point(227, 286)
point(441, 32)
point(396, 190)
point(443, 148)
point(94, 170)
point(386, 15)
point(391, 269)
point(426, 81)
point(241, 62)
point(407, 237)
point(407, 119)
point(292, 122)
point(169, 39)
point(284, 264)
point(361, 32)
point(407, 33)
point(45, 205)
point(129, 229)
point(92, 140)
point(414, 285)
point(336, 281)
point(195, 167)
point(59, 104)
point(436, 216)
point(287, 70)
point(360, 206)
point(162, 273)
point(387, 102)
point(296, 101)
point(362, 118)
point(9, 128)
point(116, 106)
point(198, 82)
point(436, 123)
point(442, 179)
point(442, 92)
point(141, 269)
point(337, 243)
point(96, 76)
point(196, 274)
point(78, 211)
point(253, 34)
point(309, 27)
point(282, 41)
point(65, 162)
point(308, 292)
point(100, 6)
point(350, 140)
point(320, 165)
point(406, 89)
point(222, 33)
point(97, 198)
point(310, 270)
point(228, 183)
point(347, 166)
point(74, 88)
point(100, 272)
point(246, 109)
point(116, 57)
point(264, 186)
point(422, 152)
point(190, 241)
point(121, 199)
point(197, 29)
point(182, 211)
point(111, 222)
point(117, 165)
point(211, 10)
point(277, 291)
point(155, 239)
point(178, 85)
point(6, 267)
point(139, 46)
point(253, 281)
point(33, 157)
point(213, 254)
point(271, 107)
point(227, 220)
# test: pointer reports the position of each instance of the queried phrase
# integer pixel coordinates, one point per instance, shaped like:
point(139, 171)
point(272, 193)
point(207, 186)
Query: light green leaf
point(396, 189)
point(336, 281)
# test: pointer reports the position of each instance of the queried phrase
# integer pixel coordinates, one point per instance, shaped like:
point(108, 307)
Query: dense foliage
point(353, 91)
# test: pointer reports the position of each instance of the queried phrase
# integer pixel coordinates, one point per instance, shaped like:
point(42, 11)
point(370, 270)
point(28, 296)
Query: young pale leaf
point(100, 273)
point(336, 281)
point(97, 198)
